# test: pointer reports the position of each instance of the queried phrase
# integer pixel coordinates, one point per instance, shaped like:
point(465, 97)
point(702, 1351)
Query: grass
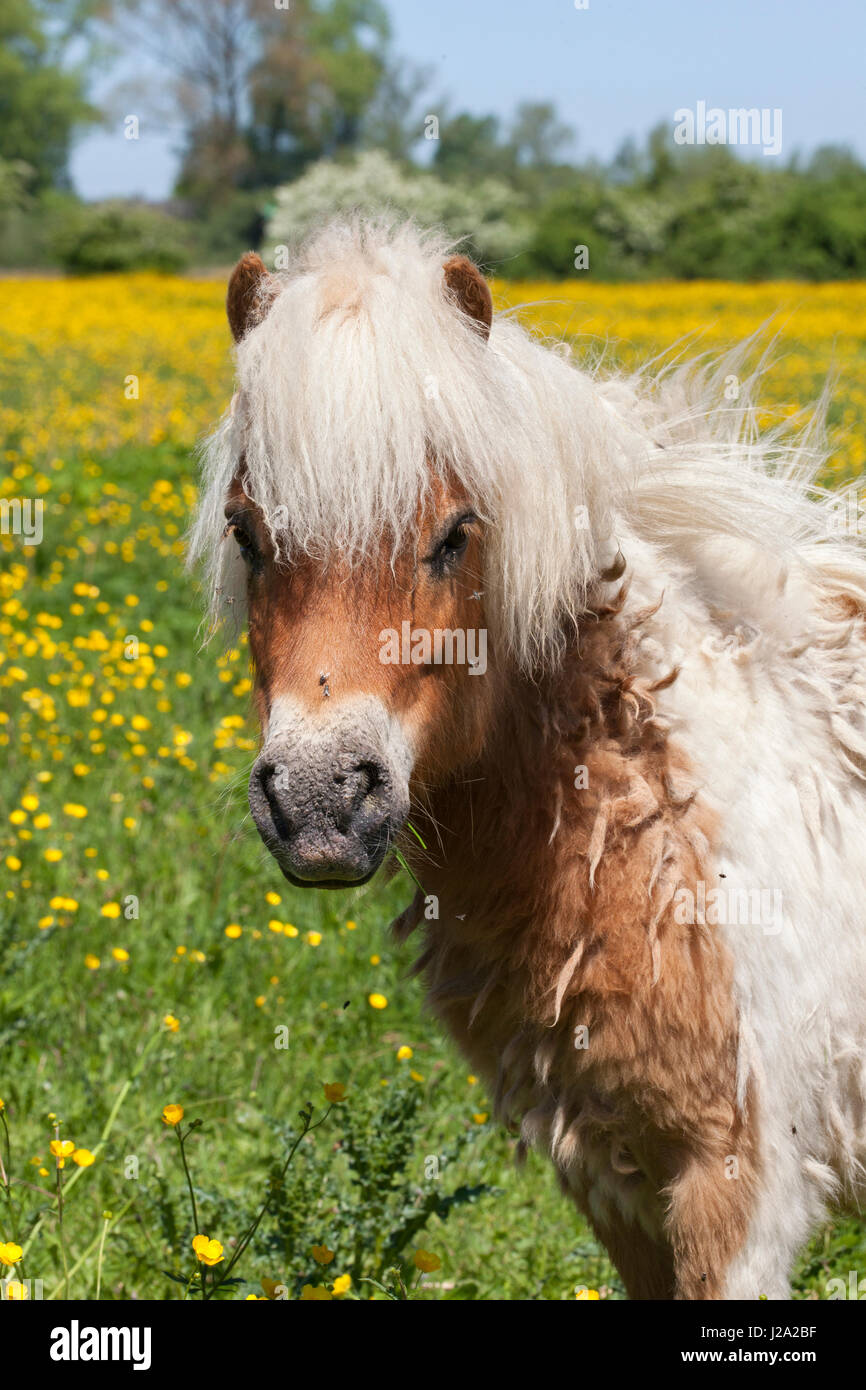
point(127, 854)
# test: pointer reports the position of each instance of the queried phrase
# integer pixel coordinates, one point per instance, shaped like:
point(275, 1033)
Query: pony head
point(387, 499)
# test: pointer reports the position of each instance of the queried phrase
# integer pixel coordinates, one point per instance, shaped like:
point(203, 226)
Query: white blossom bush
point(490, 214)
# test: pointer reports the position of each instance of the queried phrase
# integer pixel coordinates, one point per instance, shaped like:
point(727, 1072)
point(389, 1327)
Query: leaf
point(402, 862)
point(415, 833)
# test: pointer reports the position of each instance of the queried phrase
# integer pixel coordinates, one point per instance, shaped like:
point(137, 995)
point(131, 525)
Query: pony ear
point(470, 290)
point(245, 302)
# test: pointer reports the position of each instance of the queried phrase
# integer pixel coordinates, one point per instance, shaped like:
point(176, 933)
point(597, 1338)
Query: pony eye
point(245, 542)
point(456, 540)
point(453, 545)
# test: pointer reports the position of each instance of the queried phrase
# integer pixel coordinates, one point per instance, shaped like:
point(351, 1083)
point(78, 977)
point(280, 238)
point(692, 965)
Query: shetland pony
point(644, 870)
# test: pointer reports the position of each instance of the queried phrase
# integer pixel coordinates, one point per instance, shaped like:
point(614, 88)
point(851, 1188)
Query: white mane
point(363, 374)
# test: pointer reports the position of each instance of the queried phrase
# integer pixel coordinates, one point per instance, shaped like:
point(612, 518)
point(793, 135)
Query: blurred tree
point(42, 96)
point(260, 90)
point(837, 162)
point(661, 156)
point(319, 72)
point(470, 147)
point(538, 137)
point(530, 153)
point(628, 164)
point(208, 51)
point(395, 119)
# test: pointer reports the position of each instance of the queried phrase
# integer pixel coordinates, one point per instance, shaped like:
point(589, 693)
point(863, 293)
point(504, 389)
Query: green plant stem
point(105, 1225)
point(5, 1180)
point(248, 1234)
point(106, 1129)
point(8, 1146)
point(98, 1240)
point(180, 1140)
point(60, 1232)
point(196, 1228)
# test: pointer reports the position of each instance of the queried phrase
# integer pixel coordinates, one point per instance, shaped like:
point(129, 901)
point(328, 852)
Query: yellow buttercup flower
point(322, 1255)
point(15, 1291)
point(316, 1294)
point(271, 1288)
point(172, 1114)
point(426, 1261)
point(583, 1294)
point(10, 1253)
point(208, 1252)
point(62, 1148)
point(83, 1157)
point(233, 931)
point(377, 1001)
point(334, 1092)
point(171, 1023)
point(404, 1053)
point(341, 1285)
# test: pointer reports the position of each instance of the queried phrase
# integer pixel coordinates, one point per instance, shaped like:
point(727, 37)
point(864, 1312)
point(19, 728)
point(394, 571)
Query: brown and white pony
point(605, 649)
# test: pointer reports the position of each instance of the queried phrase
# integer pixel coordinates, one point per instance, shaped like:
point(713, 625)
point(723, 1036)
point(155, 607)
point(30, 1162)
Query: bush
point(221, 233)
point(490, 215)
point(114, 237)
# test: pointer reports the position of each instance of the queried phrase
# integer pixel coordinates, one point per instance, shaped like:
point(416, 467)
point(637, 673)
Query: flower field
point(213, 1085)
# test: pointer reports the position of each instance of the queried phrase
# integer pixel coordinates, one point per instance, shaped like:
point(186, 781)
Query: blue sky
point(613, 70)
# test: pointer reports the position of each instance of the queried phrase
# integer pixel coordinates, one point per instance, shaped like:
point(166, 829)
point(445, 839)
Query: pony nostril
point(369, 778)
point(357, 785)
point(268, 781)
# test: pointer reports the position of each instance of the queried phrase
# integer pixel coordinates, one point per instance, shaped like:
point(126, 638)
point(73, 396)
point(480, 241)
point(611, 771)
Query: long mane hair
point(361, 382)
